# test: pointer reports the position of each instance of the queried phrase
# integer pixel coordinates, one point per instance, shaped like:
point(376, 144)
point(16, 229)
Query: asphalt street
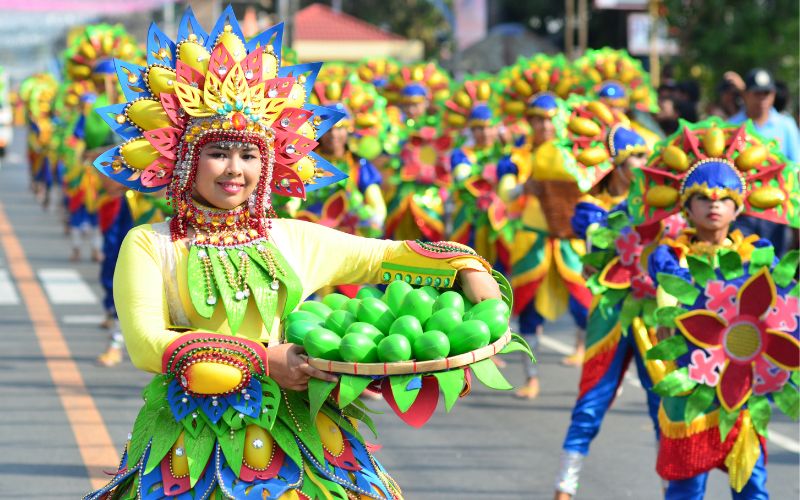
point(63, 418)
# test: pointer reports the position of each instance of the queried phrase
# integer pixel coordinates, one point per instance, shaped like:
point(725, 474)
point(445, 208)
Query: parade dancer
point(201, 299)
point(728, 321)
point(479, 214)
point(618, 284)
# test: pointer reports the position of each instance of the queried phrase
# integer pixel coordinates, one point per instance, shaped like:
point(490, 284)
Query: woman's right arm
point(140, 300)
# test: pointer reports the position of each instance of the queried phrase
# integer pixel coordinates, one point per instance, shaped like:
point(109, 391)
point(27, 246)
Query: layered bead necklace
point(228, 258)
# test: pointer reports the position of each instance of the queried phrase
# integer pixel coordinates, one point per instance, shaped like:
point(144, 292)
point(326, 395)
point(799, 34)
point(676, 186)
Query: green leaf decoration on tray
point(410, 343)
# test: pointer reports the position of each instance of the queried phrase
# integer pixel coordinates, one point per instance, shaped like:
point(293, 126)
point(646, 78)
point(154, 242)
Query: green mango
point(394, 348)
point(407, 326)
point(395, 294)
point(339, 321)
point(419, 304)
point(376, 313)
point(432, 344)
point(433, 292)
point(449, 300)
point(369, 291)
point(358, 348)
point(322, 343)
point(444, 320)
point(297, 330)
point(297, 316)
point(496, 305)
point(335, 300)
point(365, 329)
point(317, 308)
point(352, 306)
point(468, 336)
point(496, 321)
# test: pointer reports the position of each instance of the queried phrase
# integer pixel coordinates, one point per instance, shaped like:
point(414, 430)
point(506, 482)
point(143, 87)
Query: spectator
point(759, 100)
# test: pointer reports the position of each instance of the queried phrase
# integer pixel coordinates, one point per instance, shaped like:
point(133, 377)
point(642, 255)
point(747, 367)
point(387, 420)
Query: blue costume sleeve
point(367, 175)
point(664, 260)
point(585, 215)
point(506, 166)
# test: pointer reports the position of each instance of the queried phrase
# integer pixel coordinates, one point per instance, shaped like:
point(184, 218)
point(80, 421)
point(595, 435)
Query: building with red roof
point(323, 34)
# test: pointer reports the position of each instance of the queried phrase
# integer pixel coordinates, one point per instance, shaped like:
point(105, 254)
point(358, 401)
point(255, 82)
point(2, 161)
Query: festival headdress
point(377, 72)
point(472, 104)
point(591, 136)
point(718, 160)
point(624, 142)
point(531, 85)
point(92, 51)
point(208, 88)
point(617, 78)
point(418, 82)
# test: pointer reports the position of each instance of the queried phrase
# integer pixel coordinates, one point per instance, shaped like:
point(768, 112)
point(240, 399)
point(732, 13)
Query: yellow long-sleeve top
point(151, 283)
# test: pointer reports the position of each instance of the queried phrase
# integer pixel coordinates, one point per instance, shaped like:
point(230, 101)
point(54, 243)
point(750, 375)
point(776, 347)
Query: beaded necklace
point(231, 260)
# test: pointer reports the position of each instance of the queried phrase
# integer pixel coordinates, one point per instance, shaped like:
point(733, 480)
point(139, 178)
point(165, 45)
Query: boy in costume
point(728, 315)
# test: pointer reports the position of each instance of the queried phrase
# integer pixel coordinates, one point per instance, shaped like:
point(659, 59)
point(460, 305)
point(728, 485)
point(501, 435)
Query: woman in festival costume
point(201, 299)
point(616, 329)
point(479, 214)
point(726, 300)
point(620, 81)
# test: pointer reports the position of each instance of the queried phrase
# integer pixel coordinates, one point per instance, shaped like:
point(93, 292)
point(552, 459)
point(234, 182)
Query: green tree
point(721, 35)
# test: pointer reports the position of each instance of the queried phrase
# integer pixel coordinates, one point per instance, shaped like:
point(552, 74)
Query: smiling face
point(226, 175)
point(711, 215)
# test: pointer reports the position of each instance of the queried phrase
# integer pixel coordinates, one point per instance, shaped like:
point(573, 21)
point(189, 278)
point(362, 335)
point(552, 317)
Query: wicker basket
point(558, 200)
point(407, 367)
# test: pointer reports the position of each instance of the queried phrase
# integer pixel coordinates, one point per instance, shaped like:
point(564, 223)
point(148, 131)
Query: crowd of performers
point(554, 171)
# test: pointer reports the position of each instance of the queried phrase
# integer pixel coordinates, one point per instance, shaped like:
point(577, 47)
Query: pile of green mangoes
point(402, 324)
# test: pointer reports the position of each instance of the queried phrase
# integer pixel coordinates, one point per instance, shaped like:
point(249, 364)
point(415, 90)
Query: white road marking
point(82, 319)
point(66, 287)
point(8, 293)
point(779, 439)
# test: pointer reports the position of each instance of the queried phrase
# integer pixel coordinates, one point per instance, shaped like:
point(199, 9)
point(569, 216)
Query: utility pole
point(655, 62)
point(569, 29)
point(583, 27)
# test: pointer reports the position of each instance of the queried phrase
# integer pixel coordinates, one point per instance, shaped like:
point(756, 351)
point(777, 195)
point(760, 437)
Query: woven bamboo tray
point(407, 367)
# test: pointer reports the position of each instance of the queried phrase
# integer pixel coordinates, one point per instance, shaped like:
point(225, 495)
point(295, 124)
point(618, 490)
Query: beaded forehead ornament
point(207, 88)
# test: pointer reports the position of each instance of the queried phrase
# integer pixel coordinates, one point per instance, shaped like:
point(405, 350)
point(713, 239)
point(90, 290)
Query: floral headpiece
point(718, 160)
point(530, 78)
point(419, 82)
point(93, 49)
point(470, 105)
point(208, 88)
point(616, 77)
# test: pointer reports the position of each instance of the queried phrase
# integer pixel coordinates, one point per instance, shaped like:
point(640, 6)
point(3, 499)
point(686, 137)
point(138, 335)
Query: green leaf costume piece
point(488, 373)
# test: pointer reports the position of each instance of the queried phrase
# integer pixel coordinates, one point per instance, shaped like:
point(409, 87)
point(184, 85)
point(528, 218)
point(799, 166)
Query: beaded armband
point(428, 263)
point(248, 356)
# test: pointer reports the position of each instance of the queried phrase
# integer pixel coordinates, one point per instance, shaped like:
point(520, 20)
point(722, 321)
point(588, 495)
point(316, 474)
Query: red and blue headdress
point(718, 160)
point(213, 87)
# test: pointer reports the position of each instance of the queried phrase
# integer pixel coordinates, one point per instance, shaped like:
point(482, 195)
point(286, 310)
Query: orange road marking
point(94, 443)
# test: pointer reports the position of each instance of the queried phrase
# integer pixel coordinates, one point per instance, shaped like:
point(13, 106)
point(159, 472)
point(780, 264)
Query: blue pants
point(81, 217)
point(591, 407)
point(695, 488)
point(112, 242)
